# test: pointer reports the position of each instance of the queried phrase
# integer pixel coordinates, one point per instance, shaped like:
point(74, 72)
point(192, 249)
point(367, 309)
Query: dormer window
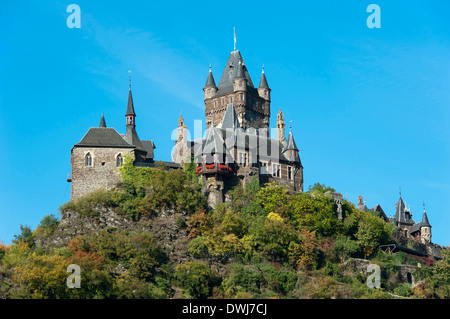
point(88, 159)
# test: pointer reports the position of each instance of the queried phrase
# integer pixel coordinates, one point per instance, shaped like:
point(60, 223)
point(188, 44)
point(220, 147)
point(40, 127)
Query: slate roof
point(132, 138)
point(229, 73)
point(149, 146)
point(130, 106)
point(263, 81)
point(230, 120)
point(102, 121)
point(290, 144)
point(230, 135)
point(103, 137)
point(210, 80)
point(400, 214)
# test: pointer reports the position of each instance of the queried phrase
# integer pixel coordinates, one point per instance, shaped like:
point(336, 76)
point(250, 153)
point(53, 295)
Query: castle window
point(276, 170)
point(223, 101)
point(119, 160)
point(88, 159)
point(243, 159)
point(289, 172)
point(241, 96)
point(215, 103)
point(231, 99)
point(263, 168)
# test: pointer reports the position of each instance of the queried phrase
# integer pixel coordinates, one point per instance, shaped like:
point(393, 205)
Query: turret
point(240, 81)
point(130, 115)
point(180, 152)
point(263, 87)
point(425, 228)
point(280, 128)
point(291, 150)
point(210, 88)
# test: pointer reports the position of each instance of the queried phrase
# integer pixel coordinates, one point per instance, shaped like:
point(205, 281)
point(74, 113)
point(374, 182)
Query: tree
point(196, 278)
point(25, 236)
point(372, 231)
point(47, 226)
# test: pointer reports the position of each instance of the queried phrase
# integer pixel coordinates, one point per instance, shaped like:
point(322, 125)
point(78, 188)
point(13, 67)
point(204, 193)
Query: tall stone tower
point(425, 228)
point(280, 127)
point(252, 105)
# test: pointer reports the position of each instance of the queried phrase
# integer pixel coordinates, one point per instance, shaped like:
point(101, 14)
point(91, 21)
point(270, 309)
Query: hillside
point(154, 237)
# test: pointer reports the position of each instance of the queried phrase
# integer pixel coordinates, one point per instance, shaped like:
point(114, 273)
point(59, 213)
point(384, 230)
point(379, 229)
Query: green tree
point(26, 236)
point(196, 278)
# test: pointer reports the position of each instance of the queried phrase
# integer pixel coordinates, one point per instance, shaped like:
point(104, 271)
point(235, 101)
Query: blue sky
point(369, 107)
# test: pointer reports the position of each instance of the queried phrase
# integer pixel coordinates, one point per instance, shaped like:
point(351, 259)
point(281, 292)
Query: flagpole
point(234, 31)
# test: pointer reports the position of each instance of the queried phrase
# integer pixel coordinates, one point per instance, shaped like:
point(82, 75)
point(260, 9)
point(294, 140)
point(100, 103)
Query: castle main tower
point(252, 105)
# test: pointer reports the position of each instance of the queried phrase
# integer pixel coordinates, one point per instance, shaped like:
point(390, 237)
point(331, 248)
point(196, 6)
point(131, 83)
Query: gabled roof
point(213, 143)
point(132, 138)
point(402, 215)
point(230, 120)
point(229, 73)
point(103, 137)
point(149, 146)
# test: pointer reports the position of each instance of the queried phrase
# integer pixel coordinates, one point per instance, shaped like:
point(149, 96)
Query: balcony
point(214, 168)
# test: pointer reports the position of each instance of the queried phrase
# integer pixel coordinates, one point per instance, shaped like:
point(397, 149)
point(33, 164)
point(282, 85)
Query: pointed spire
point(291, 142)
point(102, 121)
point(130, 106)
point(425, 222)
point(210, 80)
point(263, 81)
point(181, 121)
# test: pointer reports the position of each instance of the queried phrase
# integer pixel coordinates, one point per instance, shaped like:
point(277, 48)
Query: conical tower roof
point(130, 107)
point(232, 67)
point(425, 222)
point(263, 81)
point(210, 80)
point(290, 145)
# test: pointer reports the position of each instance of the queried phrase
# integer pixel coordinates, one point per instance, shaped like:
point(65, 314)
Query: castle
point(406, 226)
point(236, 148)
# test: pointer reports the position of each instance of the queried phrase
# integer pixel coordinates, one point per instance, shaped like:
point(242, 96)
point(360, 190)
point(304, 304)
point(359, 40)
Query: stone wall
point(102, 174)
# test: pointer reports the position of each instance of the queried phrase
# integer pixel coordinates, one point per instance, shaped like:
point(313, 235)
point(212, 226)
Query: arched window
point(119, 160)
point(88, 159)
